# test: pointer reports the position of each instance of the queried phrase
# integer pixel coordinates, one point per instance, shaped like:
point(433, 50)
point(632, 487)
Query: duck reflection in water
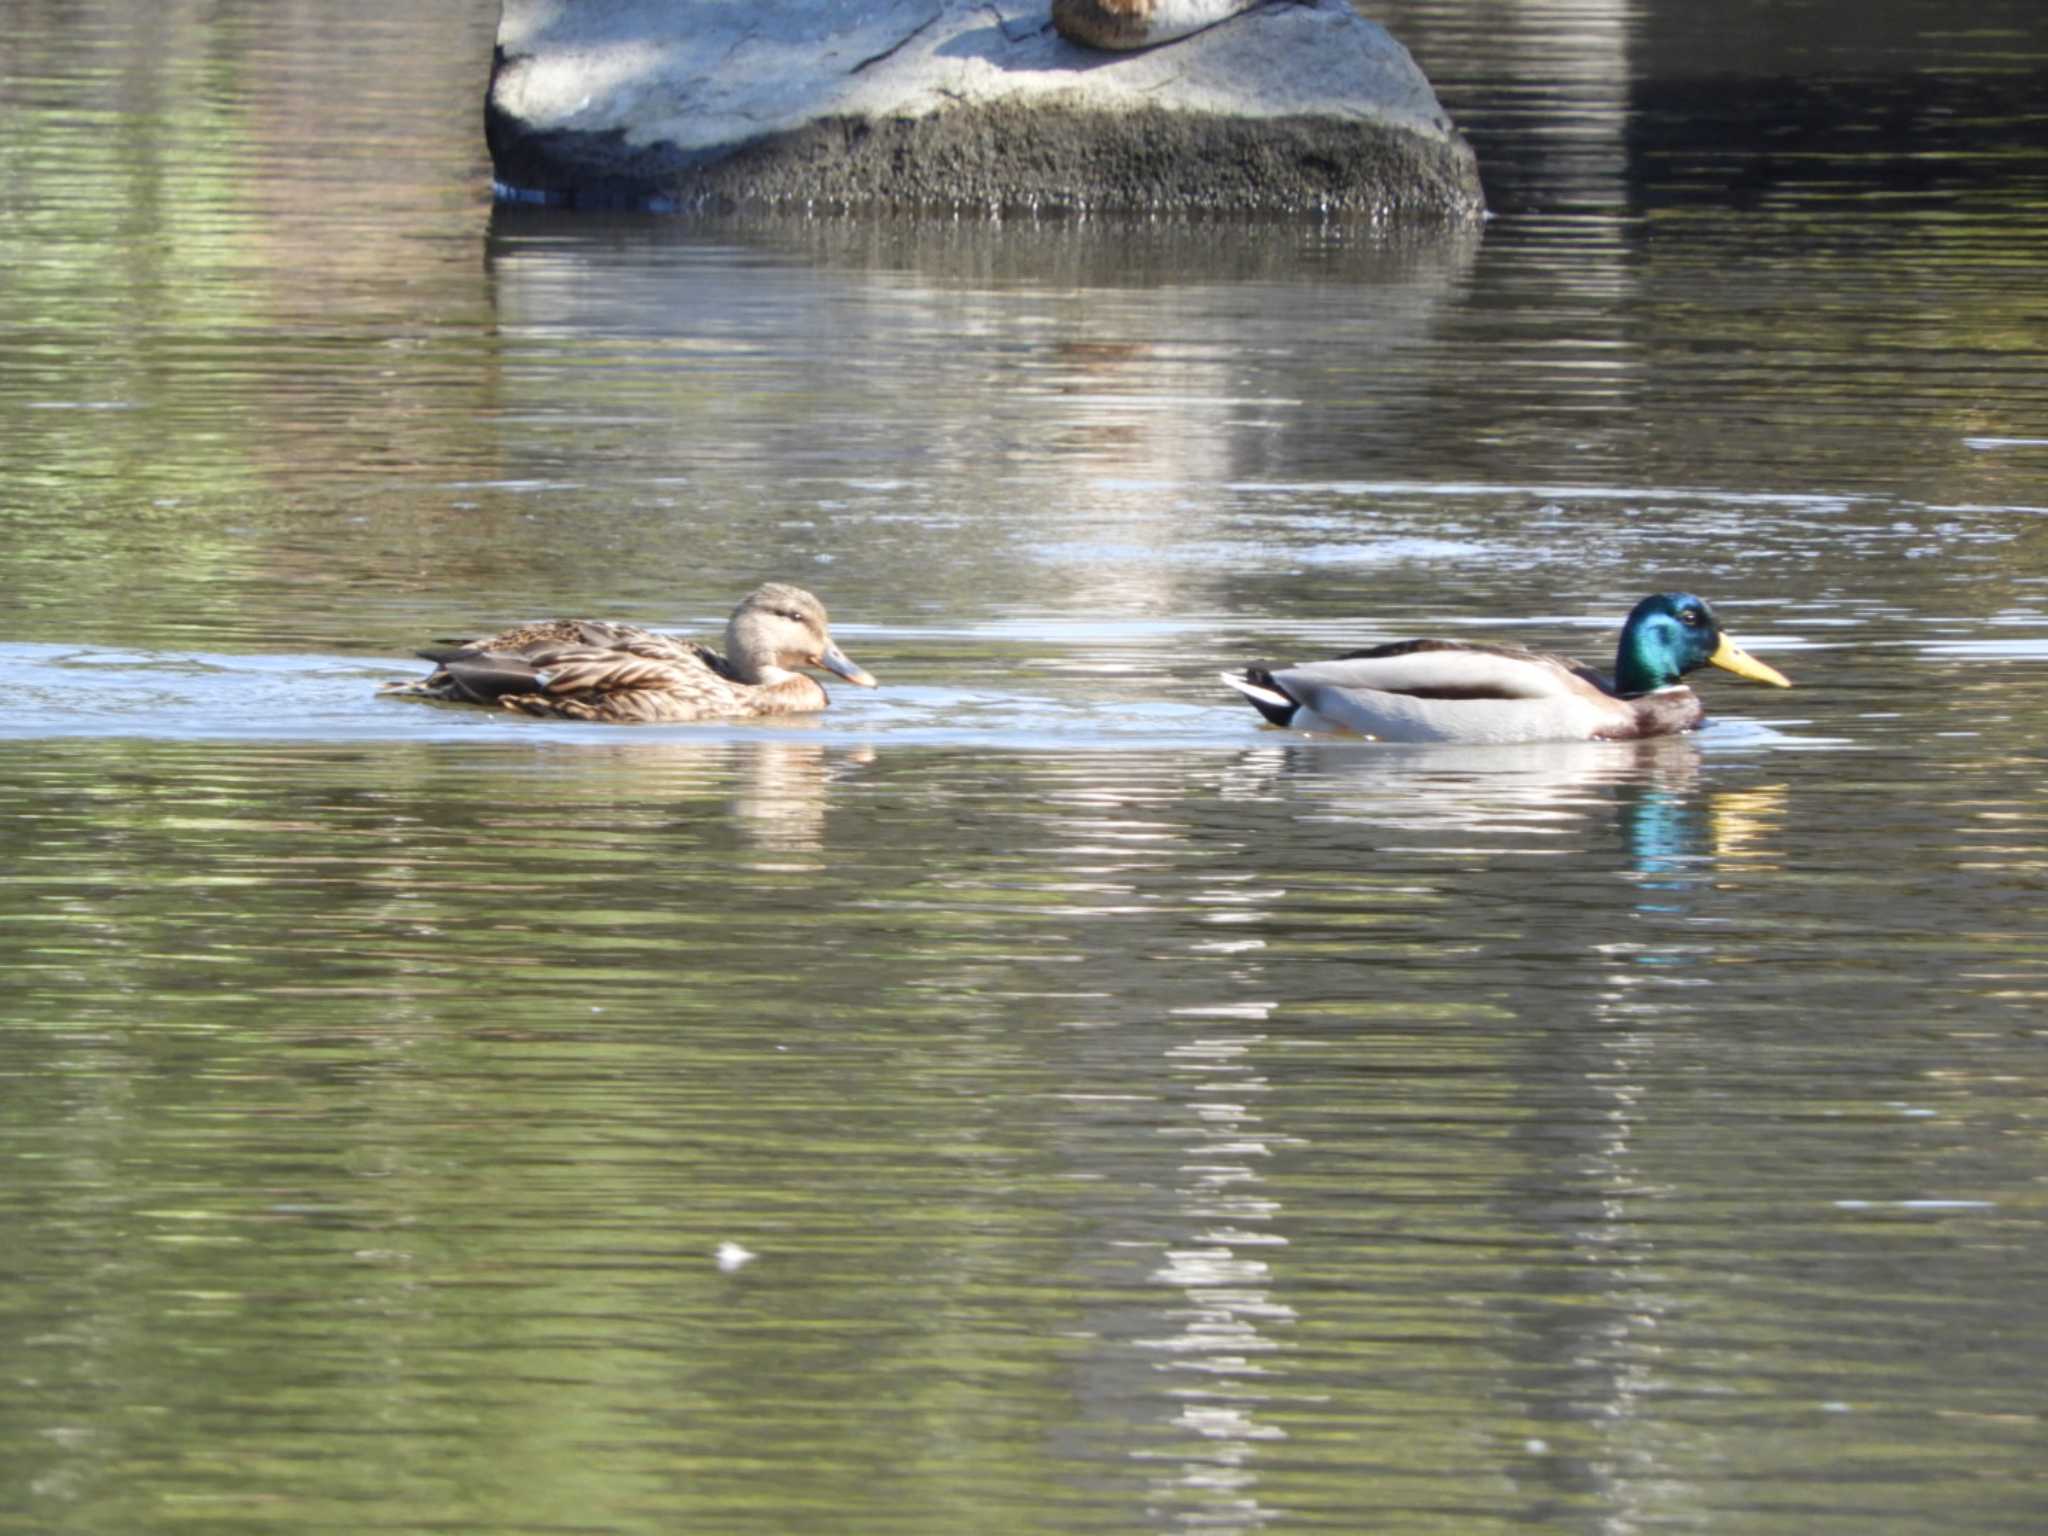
point(702, 799)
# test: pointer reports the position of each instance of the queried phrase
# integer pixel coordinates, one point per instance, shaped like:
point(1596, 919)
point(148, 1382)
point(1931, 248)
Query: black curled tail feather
point(1267, 696)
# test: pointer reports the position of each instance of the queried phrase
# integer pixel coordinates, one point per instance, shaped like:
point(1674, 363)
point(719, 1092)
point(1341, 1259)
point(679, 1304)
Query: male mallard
point(1450, 690)
point(594, 669)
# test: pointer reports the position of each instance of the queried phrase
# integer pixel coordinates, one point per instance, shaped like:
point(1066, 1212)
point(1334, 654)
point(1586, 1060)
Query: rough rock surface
point(1295, 104)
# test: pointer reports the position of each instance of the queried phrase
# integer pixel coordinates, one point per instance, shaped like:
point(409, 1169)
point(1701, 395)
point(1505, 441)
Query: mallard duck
point(1452, 690)
point(595, 669)
point(1121, 25)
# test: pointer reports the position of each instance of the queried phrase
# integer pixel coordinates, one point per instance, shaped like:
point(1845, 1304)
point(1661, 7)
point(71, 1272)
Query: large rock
point(1298, 104)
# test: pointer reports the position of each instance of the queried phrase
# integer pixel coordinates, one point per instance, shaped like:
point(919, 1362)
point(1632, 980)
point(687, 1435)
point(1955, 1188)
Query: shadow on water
point(1818, 106)
point(1051, 254)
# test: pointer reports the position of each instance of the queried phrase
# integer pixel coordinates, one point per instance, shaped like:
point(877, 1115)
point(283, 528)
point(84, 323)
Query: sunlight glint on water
point(1132, 1118)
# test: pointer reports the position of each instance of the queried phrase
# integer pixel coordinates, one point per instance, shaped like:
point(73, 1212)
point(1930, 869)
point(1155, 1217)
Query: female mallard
point(1449, 690)
point(593, 669)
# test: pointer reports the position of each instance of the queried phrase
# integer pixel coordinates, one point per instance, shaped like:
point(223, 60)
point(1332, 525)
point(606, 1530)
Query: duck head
point(1673, 633)
point(778, 628)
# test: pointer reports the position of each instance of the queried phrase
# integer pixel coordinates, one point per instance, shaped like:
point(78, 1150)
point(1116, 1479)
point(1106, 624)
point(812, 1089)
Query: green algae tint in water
point(1139, 1120)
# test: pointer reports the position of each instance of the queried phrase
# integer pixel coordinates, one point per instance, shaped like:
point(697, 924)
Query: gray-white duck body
point(1462, 691)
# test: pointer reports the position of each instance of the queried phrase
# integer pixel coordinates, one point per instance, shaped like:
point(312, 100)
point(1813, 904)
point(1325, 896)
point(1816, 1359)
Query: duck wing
point(1453, 669)
point(530, 640)
point(545, 670)
point(1440, 690)
point(608, 683)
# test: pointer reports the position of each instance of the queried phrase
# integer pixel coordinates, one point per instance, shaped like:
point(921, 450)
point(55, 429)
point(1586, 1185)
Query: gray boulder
point(1291, 105)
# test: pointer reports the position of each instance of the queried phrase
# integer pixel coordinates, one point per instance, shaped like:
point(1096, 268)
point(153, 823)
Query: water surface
point(1137, 1119)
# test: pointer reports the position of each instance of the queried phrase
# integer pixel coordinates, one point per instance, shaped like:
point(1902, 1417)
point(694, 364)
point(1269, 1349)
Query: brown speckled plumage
point(1122, 25)
point(596, 669)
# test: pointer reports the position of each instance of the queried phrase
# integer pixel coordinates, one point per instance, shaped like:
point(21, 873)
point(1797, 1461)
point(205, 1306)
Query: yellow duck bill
point(1731, 657)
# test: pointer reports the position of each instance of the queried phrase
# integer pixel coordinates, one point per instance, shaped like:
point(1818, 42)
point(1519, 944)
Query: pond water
point(1032, 1096)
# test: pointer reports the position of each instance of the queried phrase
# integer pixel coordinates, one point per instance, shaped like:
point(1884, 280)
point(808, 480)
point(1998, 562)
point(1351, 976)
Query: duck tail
point(471, 677)
point(1267, 696)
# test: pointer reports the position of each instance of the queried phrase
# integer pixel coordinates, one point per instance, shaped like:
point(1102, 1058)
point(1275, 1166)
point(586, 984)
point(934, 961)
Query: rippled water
point(1112, 1115)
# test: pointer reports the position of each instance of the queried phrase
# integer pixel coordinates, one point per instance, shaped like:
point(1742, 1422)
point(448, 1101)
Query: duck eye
point(1691, 618)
